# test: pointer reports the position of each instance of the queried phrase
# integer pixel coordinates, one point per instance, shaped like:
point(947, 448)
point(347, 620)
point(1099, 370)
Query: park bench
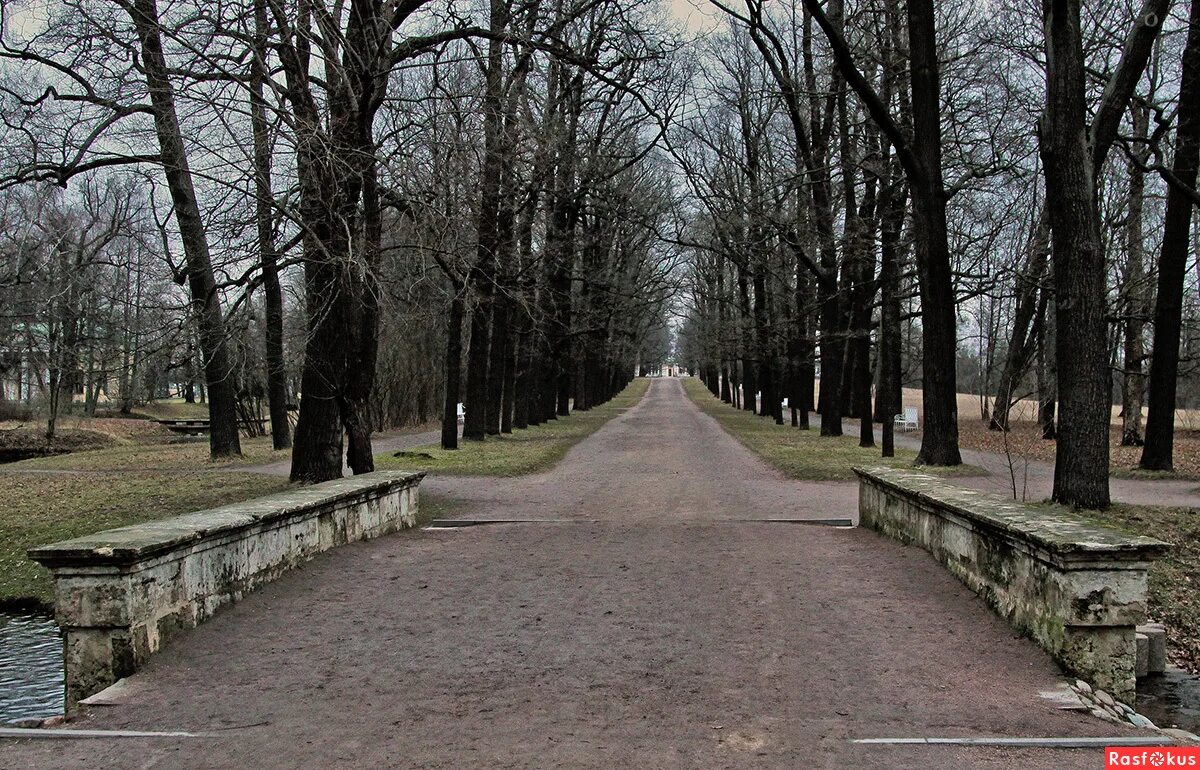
point(201, 425)
point(908, 420)
point(1077, 589)
point(190, 427)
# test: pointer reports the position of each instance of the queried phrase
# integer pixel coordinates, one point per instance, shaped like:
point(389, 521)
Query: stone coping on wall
point(125, 546)
point(121, 594)
point(1078, 589)
point(1053, 528)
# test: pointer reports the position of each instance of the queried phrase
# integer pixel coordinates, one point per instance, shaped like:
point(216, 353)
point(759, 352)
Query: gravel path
point(650, 628)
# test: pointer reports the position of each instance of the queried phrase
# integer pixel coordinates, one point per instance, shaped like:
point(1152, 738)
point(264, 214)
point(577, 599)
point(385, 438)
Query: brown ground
point(1024, 440)
point(19, 442)
point(652, 629)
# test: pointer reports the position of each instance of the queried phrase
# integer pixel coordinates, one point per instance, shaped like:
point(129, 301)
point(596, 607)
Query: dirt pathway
point(650, 628)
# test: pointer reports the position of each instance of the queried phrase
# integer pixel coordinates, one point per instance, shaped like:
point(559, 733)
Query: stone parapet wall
point(1076, 588)
point(120, 595)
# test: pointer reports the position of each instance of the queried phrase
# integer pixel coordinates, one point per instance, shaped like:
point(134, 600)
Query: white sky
point(697, 15)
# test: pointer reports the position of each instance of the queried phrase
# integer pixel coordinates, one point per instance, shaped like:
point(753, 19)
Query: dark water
point(1171, 700)
point(31, 667)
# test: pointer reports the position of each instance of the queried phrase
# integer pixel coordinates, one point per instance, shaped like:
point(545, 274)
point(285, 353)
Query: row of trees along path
point(512, 203)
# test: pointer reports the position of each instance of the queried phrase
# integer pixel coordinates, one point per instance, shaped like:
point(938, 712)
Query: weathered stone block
point(122, 594)
point(1156, 647)
point(1142, 666)
point(1076, 588)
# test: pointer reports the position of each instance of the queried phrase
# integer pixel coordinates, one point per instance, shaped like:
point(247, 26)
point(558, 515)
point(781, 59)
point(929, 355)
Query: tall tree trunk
point(749, 365)
point(481, 412)
point(888, 397)
point(939, 329)
point(1158, 453)
point(1133, 289)
point(218, 369)
point(1082, 454)
point(281, 430)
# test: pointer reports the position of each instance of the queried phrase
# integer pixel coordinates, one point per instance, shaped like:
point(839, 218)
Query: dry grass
point(1024, 440)
point(120, 429)
point(18, 441)
point(803, 454)
point(1025, 410)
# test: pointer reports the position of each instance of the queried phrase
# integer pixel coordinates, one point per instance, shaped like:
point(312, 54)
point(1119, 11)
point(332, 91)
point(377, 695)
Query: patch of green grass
point(1138, 473)
point(173, 409)
point(525, 451)
point(960, 471)
point(804, 454)
point(43, 508)
point(432, 507)
point(181, 456)
point(1175, 578)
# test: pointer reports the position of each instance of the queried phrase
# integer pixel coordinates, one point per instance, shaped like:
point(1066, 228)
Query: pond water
point(31, 667)
point(1171, 700)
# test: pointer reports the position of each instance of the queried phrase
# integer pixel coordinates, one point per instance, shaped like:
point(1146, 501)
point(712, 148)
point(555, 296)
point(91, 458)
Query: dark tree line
point(865, 170)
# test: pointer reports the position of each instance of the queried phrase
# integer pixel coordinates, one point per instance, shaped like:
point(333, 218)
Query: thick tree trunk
point(475, 424)
point(829, 401)
point(508, 399)
point(939, 330)
point(1082, 454)
point(1158, 453)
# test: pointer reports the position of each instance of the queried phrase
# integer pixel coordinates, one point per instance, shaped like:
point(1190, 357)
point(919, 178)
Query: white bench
point(907, 421)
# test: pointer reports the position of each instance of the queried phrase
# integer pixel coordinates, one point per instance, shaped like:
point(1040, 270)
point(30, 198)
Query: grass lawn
point(173, 409)
point(1175, 578)
point(45, 508)
point(803, 454)
point(524, 451)
point(179, 456)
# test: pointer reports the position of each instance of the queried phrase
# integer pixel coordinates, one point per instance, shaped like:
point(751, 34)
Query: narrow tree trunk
point(281, 430)
point(1047, 387)
point(1021, 343)
point(453, 371)
point(1133, 289)
point(218, 369)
